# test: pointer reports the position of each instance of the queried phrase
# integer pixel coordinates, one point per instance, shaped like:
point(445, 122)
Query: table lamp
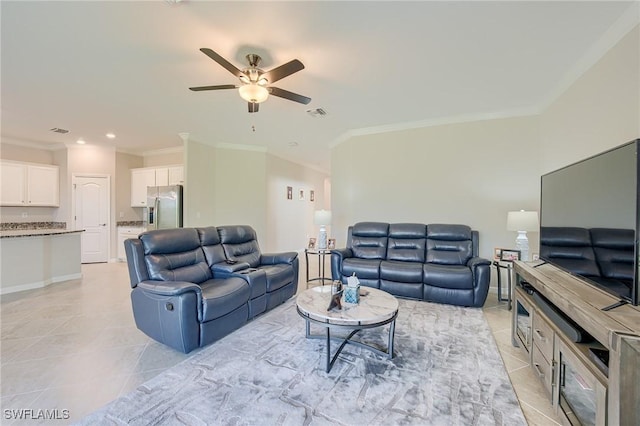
point(322, 218)
point(522, 221)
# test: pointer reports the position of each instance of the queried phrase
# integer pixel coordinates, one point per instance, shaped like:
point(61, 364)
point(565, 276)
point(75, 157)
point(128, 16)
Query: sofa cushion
point(449, 244)
point(221, 296)
point(175, 255)
point(408, 272)
point(240, 244)
point(369, 240)
point(211, 245)
point(407, 242)
point(278, 275)
point(363, 268)
point(448, 276)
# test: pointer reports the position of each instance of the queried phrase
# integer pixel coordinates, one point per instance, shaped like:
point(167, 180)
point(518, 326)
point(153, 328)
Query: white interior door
point(92, 214)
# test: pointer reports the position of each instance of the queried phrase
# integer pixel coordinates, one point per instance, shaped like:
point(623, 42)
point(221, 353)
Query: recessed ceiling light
point(111, 135)
point(80, 142)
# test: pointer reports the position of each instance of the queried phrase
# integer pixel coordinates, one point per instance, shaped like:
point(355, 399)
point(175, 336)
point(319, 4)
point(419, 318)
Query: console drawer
point(543, 369)
point(543, 336)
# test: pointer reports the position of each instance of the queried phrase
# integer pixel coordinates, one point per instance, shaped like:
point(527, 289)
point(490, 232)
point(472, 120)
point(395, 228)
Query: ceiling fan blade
point(219, 87)
point(281, 93)
point(283, 71)
point(253, 107)
point(222, 61)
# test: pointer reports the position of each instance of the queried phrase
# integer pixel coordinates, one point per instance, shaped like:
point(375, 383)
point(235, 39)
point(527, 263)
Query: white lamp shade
point(522, 221)
point(253, 93)
point(322, 217)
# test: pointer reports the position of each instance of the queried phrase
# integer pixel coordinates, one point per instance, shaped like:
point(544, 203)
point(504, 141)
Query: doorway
point(91, 213)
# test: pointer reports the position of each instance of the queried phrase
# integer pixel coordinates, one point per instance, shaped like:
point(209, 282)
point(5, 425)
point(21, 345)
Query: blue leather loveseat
point(192, 286)
point(438, 262)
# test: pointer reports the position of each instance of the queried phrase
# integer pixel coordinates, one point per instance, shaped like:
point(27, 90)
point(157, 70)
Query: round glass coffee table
point(376, 308)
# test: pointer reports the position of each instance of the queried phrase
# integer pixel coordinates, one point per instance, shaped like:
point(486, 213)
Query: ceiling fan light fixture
point(253, 93)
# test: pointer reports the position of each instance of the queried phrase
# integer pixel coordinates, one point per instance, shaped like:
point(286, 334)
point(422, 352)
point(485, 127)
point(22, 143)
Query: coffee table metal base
point(356, 328)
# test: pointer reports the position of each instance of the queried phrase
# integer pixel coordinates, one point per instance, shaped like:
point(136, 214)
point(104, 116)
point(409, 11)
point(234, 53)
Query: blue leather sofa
point(192, 286)
point(603, 255)
point(438, 262)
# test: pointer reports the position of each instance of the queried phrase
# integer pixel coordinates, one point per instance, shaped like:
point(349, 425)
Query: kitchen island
point(35, 258)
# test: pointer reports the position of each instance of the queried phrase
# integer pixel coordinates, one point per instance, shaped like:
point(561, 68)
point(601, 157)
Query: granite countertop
point(36, 232)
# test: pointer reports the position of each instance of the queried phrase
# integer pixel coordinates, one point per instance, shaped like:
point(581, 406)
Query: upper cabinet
point(153, 176)
point(25, 184)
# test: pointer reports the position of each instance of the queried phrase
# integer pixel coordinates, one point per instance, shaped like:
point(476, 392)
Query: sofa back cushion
point(240, 243)
point(211, 245)
point(570, 248)
point(175, 255)
point(614, 252)
point(449, 244)
point(368, 240)
point(407, 242)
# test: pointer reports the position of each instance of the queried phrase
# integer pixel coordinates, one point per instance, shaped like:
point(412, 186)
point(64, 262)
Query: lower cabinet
point(542, 352)
point(124, 233)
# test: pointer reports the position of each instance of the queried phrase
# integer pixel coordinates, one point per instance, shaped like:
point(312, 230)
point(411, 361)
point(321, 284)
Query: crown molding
point(240, 147)
point(31, 144)
point(163, 151)
point(457, 119)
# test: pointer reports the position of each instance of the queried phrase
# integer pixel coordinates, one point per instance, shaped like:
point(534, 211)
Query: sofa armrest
point(169, 288)
point(337, 257)
point(275, 258)
point(477, 261)
point(229, 268)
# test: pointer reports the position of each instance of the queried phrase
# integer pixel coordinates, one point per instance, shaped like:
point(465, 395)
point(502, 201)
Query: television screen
point(589, 220)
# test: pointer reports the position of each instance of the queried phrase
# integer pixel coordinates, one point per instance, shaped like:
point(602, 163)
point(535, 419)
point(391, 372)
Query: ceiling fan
point(255, 83)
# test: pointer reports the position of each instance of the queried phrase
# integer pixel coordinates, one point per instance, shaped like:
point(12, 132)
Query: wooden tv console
point(613, 392)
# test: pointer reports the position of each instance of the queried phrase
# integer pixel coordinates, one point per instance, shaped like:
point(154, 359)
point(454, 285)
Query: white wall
point(468, 173)
point(599, 111)
point(124, 164)
point(199, 184)
point(290, 222)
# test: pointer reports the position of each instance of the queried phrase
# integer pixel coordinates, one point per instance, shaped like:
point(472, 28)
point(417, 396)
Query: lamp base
point(322, 238)
point(522, 244)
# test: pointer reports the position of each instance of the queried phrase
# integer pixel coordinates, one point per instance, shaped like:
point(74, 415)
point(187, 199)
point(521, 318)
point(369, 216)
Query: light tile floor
point(74, 346)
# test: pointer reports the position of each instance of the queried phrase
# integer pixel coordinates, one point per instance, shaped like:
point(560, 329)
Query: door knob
point(103, 224)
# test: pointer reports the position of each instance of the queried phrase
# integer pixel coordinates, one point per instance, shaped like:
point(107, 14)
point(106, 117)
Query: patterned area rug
point(447, 371)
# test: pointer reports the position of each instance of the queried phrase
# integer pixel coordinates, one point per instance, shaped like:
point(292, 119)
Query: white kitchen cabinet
point(25, 184)
point(152, 176)
point(124, 233)
point(140, 180)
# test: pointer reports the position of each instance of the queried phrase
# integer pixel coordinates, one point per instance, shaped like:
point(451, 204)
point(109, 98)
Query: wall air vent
point(317, 113)
point(59, 130)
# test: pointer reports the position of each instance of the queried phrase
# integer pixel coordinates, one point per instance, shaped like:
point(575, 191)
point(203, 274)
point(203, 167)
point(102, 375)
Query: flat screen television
point(589, 220)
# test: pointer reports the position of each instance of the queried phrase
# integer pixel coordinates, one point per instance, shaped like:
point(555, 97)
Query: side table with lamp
point(321, 218)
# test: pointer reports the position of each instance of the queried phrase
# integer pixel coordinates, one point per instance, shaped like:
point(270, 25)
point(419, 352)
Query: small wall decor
point(312, 195)
point(312, 243)
point(301, 194)
point(289, 193)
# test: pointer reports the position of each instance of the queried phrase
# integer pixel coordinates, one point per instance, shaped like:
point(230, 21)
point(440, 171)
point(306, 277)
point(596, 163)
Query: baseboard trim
point(39, 284)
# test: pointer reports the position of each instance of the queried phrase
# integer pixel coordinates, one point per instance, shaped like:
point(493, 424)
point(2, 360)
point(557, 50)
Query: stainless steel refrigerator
point(165, 207)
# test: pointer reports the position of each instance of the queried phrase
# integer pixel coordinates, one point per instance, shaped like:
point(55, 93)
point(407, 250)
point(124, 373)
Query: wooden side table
point(508, 266)
point(321, 263)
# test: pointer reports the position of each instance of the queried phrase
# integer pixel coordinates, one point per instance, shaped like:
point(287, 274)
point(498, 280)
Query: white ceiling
point(125, 67)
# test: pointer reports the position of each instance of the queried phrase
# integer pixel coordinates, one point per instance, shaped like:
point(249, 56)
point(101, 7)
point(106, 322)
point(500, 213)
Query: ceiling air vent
point(59, 130)
point(316, 113)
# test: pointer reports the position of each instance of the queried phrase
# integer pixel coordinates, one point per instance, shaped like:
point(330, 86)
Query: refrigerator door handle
point(156, 205)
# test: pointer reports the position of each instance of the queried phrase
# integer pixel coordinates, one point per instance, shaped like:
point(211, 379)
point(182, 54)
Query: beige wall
point(163, 159)
point(23, 153)
point(599, 111)
point(290, 222)
point(468, 173)
point(199, 184)
point(124, 164)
